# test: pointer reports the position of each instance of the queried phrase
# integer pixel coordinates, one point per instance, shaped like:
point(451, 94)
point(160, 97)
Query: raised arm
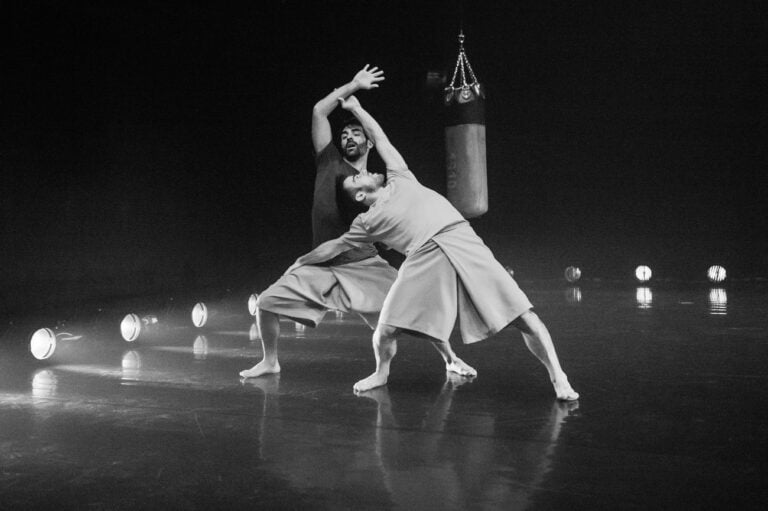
point(321, 129)
point(392, 158)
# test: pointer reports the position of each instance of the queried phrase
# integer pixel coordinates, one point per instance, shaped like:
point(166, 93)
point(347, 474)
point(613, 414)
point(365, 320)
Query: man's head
point(363, 188)
point(355, 143)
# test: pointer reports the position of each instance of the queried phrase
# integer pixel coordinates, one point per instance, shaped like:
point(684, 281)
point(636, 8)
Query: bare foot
point(261, 369)
point(460, 367)
point(564, 390)
point(373, 381)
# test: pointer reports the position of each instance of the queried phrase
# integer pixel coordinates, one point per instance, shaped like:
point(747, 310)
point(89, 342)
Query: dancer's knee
point(266, 317)
point(386, 331)
point(528, 322)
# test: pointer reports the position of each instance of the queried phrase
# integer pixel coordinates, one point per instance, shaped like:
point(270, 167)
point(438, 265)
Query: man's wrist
point(354, 86)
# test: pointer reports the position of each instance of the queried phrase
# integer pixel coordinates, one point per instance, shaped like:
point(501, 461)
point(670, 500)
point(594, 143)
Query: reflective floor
point(671, 416)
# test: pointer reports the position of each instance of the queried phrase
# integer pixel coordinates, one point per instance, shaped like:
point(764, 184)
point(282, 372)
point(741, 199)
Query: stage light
point(87, 337)
point(224, 313)
point(199, 314)
point(133, 326)
point(300, 330)
point(573, 295)
point(572, 274)
point(252, 308)
point(643, 273)
point(44, 342)
point(718, 302)
point(644, 297)
point(716, 273)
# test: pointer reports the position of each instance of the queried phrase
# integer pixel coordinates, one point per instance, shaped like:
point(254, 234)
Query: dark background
point(154, 147)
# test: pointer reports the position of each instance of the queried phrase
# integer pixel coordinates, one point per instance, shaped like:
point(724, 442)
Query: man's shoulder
point(400, 173)
point(328, 155)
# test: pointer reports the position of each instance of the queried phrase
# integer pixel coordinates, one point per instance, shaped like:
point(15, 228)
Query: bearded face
point(354, 143)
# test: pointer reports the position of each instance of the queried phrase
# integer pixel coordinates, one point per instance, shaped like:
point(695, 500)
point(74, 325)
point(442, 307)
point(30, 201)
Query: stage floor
point(671, 414)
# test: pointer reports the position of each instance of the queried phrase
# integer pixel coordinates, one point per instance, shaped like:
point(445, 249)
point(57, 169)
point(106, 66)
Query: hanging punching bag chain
point(462, 91)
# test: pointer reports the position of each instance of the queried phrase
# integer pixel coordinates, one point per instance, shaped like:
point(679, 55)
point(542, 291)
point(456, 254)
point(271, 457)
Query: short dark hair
point(348, 206)
point(353, 121)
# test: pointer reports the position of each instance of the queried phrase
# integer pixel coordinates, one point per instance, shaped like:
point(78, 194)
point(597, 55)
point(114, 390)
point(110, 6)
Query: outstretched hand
point(368, 78)
point(349, 103)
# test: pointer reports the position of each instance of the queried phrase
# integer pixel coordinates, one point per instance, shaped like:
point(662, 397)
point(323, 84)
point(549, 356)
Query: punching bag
point(465, 140)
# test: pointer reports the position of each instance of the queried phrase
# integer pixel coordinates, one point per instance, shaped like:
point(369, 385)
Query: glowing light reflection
point(200, 347)
point(131, 365)
point(44, 383)
point(644, 297)
point(573, 295)
point(718, 302)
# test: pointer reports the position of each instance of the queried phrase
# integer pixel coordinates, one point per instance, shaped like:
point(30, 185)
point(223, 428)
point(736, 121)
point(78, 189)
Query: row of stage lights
point(643, 273)
point(44, 341)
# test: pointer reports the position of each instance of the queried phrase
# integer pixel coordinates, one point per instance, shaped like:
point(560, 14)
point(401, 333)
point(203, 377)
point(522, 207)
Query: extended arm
point(321, 128)
point(392, 158)
point(323, 252)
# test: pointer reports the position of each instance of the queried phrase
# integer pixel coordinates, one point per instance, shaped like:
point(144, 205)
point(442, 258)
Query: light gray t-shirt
point(404, 217)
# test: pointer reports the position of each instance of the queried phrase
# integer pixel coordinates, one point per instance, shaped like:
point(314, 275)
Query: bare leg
point(384, 348)
point(453, 364)
point(269, 328)
point(540, 343)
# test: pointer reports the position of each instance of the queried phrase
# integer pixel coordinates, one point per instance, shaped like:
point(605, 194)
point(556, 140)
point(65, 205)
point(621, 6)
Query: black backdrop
point(153, 147)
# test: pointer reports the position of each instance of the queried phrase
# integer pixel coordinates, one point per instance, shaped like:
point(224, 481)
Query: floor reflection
point(666, 421)
point(44, 383)
point(437, 470)
point(644, 297)
point(573, 295)
point(418, 455)
point(718, 302)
